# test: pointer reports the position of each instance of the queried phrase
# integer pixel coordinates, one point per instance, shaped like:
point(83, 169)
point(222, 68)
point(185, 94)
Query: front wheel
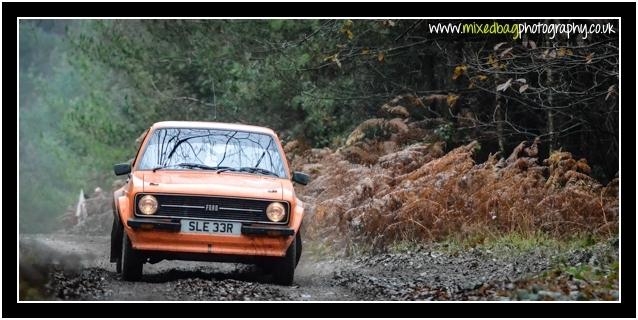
point(116, 245)
point(299, 246)
point(131, 261)
point(284, 270)
point(118, 265)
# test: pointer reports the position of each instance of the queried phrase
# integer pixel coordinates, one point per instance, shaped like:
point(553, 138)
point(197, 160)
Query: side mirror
point(300, 178)
point(122, 168)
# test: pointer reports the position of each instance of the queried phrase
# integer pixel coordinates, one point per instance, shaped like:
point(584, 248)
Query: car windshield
point(198, 149)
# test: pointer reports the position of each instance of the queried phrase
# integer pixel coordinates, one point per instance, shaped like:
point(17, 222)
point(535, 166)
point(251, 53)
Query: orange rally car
point(208, 191)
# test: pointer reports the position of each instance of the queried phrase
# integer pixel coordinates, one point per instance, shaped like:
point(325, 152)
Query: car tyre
point(299, 246)
point(118, 261)
point(118, 265)
point(131, 261)
point(284, 271)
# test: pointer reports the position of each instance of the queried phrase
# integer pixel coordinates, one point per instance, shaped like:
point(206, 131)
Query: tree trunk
point(499, 123)
point(551, 129)
point(549, 81)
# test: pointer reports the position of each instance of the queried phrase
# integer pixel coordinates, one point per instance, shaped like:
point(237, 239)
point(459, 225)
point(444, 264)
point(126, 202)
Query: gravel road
point(76, 268)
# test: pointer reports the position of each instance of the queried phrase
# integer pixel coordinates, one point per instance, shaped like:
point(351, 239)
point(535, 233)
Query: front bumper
point(164, 235)
point(154, 224)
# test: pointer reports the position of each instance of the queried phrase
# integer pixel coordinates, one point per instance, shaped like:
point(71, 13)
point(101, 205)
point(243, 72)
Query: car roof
point(212, 125)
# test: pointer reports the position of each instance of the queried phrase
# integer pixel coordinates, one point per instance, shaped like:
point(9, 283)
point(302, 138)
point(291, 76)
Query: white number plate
point(211, 227)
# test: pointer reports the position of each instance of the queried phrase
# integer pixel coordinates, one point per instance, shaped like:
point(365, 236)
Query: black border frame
point(627, 308)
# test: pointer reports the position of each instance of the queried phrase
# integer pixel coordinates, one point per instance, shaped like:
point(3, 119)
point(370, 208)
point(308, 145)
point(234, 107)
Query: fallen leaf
point(349, 34)
point(388, 23)
point(347, 24)
point(492, 61)
point(329, 58)
point(451, 100)
point(506, 51)
point(459, 71)
point(499, 45)
point(347, 29)
point(504, 86)
point(334, 58)
point(564, 52)
point(610, 91)
point(381, 56)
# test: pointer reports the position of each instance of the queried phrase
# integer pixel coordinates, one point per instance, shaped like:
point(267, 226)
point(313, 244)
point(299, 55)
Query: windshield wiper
point(189, 165)
point(250, 170)
point(258, 170)
point(224, 169)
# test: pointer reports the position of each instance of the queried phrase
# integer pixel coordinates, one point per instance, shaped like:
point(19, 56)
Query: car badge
point(211, 207)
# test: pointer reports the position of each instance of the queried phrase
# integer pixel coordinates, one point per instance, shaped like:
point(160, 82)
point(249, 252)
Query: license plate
point(211, 227)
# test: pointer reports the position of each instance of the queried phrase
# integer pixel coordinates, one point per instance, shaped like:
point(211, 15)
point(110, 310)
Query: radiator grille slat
point(184, 206)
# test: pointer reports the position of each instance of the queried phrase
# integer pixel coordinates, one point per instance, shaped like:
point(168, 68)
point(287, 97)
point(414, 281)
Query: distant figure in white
point(80, 210)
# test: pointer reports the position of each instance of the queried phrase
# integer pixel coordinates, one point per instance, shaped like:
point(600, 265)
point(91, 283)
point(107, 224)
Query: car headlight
point(147, 204)
point(276, 212)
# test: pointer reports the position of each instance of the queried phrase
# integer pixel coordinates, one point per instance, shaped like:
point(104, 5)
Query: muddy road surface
point(82, 271)
point(76, 267)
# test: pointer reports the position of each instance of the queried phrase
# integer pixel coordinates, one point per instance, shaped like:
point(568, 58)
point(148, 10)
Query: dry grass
point(420, 193)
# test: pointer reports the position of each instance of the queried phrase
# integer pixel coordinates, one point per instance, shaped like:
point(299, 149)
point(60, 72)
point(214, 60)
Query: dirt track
point(82, 272)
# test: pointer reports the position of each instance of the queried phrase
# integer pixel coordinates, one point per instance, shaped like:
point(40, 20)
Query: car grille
point(200, 207)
